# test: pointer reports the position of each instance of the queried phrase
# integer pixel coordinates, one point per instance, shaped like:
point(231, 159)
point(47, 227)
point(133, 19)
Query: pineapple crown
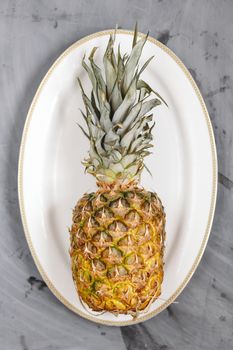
point(117, 114)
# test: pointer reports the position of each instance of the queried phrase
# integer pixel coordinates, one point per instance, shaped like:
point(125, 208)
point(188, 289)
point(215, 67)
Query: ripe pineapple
point(117, 235)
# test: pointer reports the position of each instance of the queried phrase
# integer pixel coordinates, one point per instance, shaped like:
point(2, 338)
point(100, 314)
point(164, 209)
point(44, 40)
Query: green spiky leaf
point(117, 120)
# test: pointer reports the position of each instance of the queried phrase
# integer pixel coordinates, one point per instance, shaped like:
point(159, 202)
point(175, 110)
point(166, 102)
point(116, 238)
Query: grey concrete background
point(32, 35)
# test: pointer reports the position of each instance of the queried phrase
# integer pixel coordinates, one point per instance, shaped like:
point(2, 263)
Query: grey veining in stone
point(33, 34)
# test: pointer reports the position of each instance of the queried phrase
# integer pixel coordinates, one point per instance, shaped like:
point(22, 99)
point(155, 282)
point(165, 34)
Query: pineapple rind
point(117, 245)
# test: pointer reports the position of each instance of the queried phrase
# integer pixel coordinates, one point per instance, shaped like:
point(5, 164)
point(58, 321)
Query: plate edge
point(214, 189)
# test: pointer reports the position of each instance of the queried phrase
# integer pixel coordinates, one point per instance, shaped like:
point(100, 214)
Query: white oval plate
point(52, 179)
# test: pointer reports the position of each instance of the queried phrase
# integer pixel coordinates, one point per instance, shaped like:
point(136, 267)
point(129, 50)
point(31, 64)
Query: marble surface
point(33, 34)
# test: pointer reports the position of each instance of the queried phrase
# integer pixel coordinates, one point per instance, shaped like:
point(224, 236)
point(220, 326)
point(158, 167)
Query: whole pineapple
point(117, 235)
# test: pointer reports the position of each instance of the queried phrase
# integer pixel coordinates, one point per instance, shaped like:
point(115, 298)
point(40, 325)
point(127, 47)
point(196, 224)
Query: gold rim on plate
point(214, 185)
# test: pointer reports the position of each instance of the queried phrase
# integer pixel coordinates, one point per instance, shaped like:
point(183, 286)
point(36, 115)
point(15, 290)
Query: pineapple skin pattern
point(118, 232)
point(117, 245)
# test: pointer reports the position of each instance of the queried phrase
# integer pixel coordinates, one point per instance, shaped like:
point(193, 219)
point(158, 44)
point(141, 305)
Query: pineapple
point(118, 232)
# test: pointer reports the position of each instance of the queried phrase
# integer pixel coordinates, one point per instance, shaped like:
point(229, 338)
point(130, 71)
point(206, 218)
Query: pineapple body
point(117, 244)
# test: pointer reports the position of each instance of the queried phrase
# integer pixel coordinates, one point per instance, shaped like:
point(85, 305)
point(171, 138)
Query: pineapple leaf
point(91, 56)
point(115, 98)
point(95, 130)
point(141, 84)
point(105, 120)
point(135, 131)
point(135, 36)
point(133, 169)
point(86, 121)
point(97, 72)
point(143, 147)
point(83, 93)
point(111, 138)
point(151, 128)
point(113, 57)
point(87, 102)
point(129, 136)
point(144, 153)
point(116, 155)
point(135, 143)
point(120, 66)
point(90, 73)
point(127, 102)
point(125, 58)
point(84, 132)
point(142, 94)
point(93, 152)
point(141, 123)
point(101, 87)
point(110, 72)
point(99, 145)
point(93, 102)
point(147, 169)
point(139, 143)
point(145, 65)
point(131, 64)
point(128, 159)
point(130, 117)
point(148, 106)
point(117, 168)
